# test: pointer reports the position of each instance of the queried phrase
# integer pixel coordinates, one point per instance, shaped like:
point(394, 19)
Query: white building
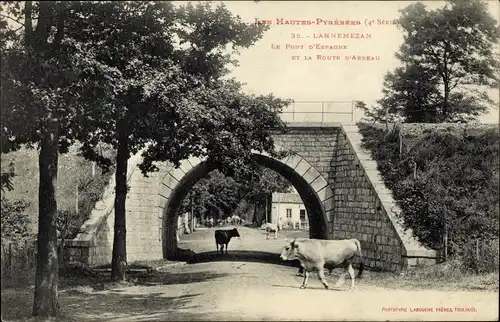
point(288, 211)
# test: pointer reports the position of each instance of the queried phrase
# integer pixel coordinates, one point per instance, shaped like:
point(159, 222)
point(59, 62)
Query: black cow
point(223, 236)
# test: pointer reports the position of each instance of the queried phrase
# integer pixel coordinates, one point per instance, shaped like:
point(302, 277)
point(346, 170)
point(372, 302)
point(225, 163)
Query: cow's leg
point(226, 247)
point(351, 274)
point(217, 247)
point(341, 280)
point(276, 235)
point(267, 234)
point(321, 275)
point(306, 277)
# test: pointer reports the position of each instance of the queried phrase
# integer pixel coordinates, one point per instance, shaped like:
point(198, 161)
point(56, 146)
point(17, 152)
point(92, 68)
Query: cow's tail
point(362, 264)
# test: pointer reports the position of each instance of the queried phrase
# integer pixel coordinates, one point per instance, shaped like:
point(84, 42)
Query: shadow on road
point(87, 305)
point(309, 287)
point(166, 278)
point(240, 256)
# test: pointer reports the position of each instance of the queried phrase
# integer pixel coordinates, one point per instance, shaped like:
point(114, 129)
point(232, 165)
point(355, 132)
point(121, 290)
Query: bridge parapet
point(319, 111)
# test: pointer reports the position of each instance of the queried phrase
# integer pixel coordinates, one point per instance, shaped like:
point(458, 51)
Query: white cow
point(271, 228)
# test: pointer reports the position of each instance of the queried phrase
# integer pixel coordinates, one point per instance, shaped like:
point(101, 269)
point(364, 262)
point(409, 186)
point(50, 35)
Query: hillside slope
point(445, 178)
point(73, 171)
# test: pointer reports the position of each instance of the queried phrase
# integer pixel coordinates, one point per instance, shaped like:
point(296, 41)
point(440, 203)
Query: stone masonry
point(365, 209)
point(326, 164)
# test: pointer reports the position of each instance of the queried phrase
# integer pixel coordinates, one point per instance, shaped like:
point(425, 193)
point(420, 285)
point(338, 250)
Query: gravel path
point(236, 288)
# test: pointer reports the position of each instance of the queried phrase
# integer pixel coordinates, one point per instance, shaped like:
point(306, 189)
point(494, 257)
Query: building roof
point(286, 198)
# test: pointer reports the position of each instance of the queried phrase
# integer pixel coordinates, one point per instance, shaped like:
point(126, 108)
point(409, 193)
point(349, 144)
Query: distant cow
point(222, 237)
point(271, 228)
point(319, 253)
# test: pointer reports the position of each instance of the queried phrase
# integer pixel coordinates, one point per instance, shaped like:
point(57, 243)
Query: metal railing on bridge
point(319, 111)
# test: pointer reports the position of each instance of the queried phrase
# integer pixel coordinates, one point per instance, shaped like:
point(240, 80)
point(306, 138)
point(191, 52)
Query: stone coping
point(102, 209)
point(321, 125)
point(412, 248)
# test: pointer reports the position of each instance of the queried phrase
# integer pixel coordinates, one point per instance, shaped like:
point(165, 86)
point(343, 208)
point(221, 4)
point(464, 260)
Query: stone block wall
point(353, 196)
point(358, 213)
point(144, 222)
point(364, 208)
point(94, 245)
point(316, 144)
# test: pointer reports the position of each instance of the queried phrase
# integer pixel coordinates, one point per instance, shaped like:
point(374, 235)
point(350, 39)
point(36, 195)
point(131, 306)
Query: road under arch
point(314, 205)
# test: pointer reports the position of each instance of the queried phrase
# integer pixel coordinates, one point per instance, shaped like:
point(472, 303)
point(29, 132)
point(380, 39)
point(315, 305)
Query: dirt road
point(235, 287)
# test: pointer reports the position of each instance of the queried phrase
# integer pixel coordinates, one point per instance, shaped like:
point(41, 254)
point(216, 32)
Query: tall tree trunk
point(46, 278)
point(254, 219)
point(61, 251)
point(28, 23)
point(119, 259)
point(266, 212)
point(446, 106)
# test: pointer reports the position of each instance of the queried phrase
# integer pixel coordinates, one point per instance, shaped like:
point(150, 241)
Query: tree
point(65, 220)
point(42, 90)
point(111, 72)
point(218, 191)
point(412, 92)
point(131, 43)
point(166, 99)
point(259, 191)
point(448, 63)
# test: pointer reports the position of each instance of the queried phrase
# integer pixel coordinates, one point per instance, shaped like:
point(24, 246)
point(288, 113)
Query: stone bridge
point(339, 183)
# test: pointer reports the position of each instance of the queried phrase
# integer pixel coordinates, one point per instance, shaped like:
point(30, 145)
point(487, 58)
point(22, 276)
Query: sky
point(266, 69)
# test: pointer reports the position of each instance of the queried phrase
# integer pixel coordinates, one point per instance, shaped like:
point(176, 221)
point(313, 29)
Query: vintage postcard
point(250, 160)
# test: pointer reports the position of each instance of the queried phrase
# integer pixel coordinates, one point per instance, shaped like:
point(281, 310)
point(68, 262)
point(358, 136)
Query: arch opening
point(315, 210)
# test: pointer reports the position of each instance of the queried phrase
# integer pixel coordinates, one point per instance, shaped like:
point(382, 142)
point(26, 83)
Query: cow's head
point(290, 250)
point(235, 233)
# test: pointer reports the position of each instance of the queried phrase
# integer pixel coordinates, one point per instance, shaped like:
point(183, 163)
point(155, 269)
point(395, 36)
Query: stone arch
point(309, 183)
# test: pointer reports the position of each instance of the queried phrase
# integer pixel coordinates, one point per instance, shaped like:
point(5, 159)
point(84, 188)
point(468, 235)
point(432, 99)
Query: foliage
point(219, 196)
point(449, 64)
point(46, 83)
point(18, 262)
point(77, 173)
point(133, 75)
point(412, 92)
point(456, 184)
point(15, 221)
point(223, 124)
point(6, 178)
point(73, 171)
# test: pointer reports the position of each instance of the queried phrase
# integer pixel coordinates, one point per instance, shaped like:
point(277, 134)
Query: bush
point(481, 255)
point(15, 221)
point(18, 247)
point(443, 181)
point(19, 205)
point(90, 191)
point(18, 262)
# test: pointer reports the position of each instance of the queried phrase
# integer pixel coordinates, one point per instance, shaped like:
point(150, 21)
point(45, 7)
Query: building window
point(288, 213)
point(302, 214)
